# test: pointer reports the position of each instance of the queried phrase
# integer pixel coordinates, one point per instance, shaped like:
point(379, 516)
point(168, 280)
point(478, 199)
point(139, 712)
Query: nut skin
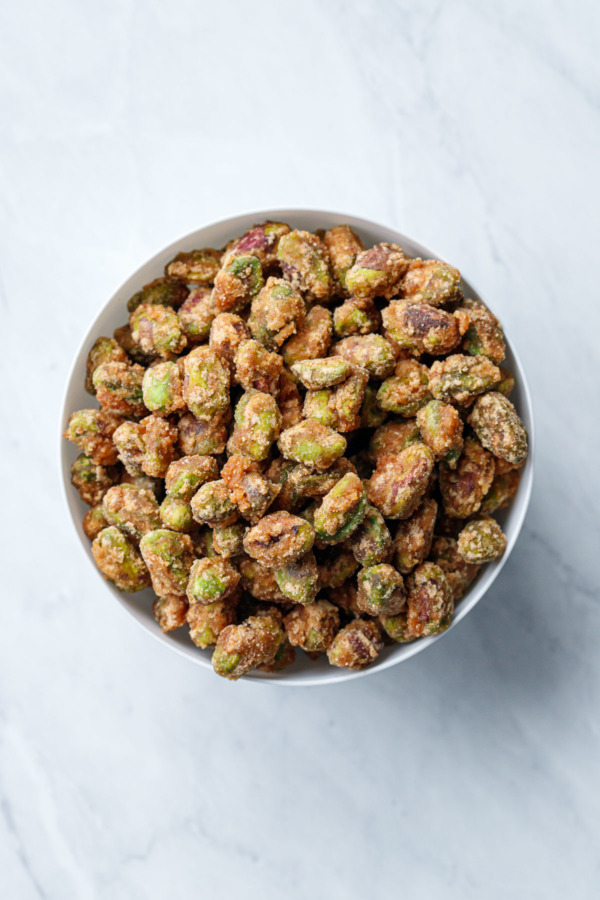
point(499, 428)
point(91, 480)
point(119, 561)
point(211, 580)
point(289, 401)
point(464, 487)
point(459, 379)
point(241, 648)
point(205, 384)
point(372, 543)
point(356, 646)
point(169, 557)
point(238, 283)
point(226, 334)
point(279, 538)
point(343, 246)
point(197, 315)
point(312, 627)
point(261, 241)
point(304, 261)
point(257, 368)
point(202, 438)
point(380, 590)
point(249, 490)
point(92, 430)
point(342, 510)
point(195, 266)
point(400, 480)
point(430, 603)
point(431, 281)
point(481, 541)
point(312, 444)
point(377, 272)
point(413, 538)
point(312, 339)
point(420, 328)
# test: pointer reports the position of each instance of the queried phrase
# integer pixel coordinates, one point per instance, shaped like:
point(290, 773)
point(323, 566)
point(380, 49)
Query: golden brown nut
point(430, 601)
point(312, 627)
point(312, 339)
point(279, 537)
point(356, 646)
point(400, 480)
point(170, 611)
point(412, 541)
point(420, 328)
point(464, 487)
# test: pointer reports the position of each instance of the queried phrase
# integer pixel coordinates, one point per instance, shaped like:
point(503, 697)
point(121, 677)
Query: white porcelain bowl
point(114, 313)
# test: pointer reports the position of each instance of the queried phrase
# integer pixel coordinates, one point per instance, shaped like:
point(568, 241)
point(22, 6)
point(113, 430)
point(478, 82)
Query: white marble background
point(473, 771)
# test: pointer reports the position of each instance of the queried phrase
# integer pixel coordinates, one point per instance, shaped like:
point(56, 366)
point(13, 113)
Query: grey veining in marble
point(472, 771)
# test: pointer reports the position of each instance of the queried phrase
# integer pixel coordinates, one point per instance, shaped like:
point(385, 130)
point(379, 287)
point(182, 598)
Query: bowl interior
point(114, 313)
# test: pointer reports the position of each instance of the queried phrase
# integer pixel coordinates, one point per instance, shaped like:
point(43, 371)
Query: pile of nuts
point(300, 443)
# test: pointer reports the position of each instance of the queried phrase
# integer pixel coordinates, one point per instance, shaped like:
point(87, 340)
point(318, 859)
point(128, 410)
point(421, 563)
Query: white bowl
point(114, 313)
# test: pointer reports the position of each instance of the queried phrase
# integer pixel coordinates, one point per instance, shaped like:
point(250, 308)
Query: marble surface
point(472, 771)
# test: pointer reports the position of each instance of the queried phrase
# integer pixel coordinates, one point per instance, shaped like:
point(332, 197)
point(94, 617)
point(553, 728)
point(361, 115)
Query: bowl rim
point(468, 602)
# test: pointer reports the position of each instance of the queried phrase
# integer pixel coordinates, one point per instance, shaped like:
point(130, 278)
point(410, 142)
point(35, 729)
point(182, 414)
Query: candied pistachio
point(298, 579)
point(161, 292)
point(312, 627)
point(132, 509)
point(257, 425)
point(260, 241)
point(249, 490)
point(312, 339)
point(279, 537)
point(431, 281)
point(343, 246)
point(204, 544)
point(400, 480)
point(169, 557)
point(396, 627)
point(129, 445)
point(228, 539)
point(334, 571)
point(276, 313)
point(441, 429)
point(207, 621)
point(195, 266)
point(104, 349)
point(407, 390)
point(148, 445)
point(289, 401)
point(420, 328)
point(237, 283)
point(94, 521)
point(119, 561)
point(342, 510)
point(503, 489)
point(285, 656)
point(316, 374)
point(212, 504)
point(370, 352)
point(371, 413)
point(372, 543)
point(460, 574)
point(205, 384)
point(241, 648)
point(197, 315)
point(91, 430)
point(176, 514)
point(345, 598)
point(157, 330)
point(339, 407)
point(481, 541)
point(484, 336)
point(460, 378)
point(92, 480)
point(312, 444)
point(356, 316)
point(304, 259)
point(185, 475)
point(118, 387)
point(162, 388)
point(464, 487)
point(380, 590)
point(170, 611)
point(429, 600)
point(355, 646)
point(257, 368)
point(226, 334)
point(393, 437)
point(507, 384)
point(259, 581)
point(412, 541)
point(211, 580)
point(306, 482)
point(377, 271)
point(124, 339)
point(154, 485)
point(499, 428)
point(203, 438)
